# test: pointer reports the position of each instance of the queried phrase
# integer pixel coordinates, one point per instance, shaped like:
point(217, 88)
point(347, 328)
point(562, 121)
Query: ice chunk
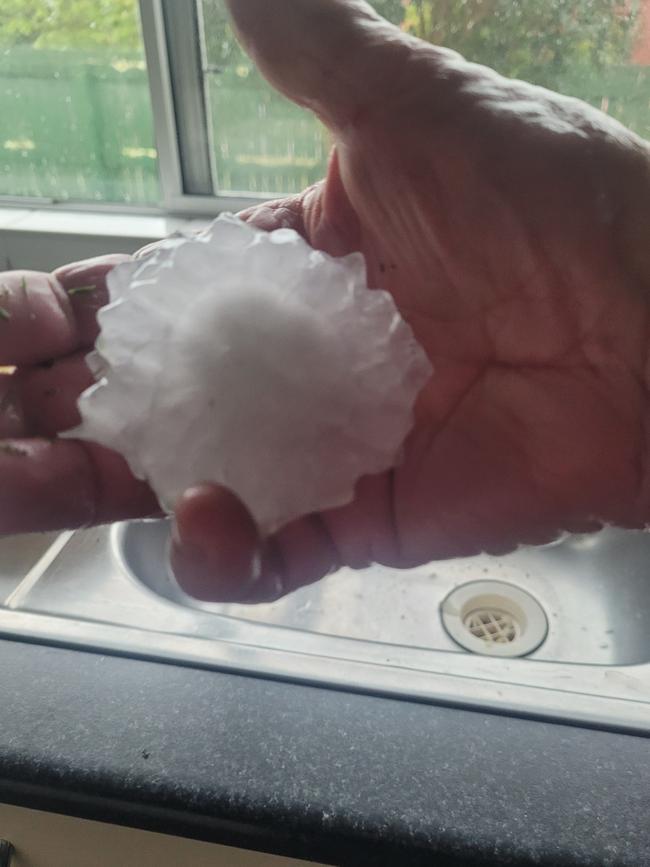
point(249, 359)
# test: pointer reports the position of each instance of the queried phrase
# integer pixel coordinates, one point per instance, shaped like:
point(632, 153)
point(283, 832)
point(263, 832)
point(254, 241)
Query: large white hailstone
point(249, 359)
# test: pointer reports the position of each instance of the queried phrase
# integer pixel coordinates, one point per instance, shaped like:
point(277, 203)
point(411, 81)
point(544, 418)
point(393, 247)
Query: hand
point(512, 227)
point(47, 324)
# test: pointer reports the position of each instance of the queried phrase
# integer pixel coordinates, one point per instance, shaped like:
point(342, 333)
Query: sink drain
point(490, 624)
point(494, 618)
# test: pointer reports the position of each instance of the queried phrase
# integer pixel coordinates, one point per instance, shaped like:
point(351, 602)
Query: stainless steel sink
point(18, 554)
point(379, 629)
point(594, 589)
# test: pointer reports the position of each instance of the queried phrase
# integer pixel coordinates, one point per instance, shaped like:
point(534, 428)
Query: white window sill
point(42, 239)
point(95, 224)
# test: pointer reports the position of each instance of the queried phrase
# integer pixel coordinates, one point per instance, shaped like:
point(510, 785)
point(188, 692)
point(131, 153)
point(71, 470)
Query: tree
point(22, 21)
point(71, 24)
point(538, 40)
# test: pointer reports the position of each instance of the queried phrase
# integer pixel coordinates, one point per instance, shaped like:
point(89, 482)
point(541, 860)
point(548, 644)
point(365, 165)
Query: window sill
point(41, 239)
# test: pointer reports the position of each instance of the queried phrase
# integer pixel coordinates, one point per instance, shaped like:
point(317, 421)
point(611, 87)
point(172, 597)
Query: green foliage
point(538, 40)
point(392, 10)
point(22, 21)
point(221, 46)
point(78, 24)
point(535, 39)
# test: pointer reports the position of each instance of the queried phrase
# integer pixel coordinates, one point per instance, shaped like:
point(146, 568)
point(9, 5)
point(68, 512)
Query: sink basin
point(18, 554)
point(380, 629)
point(595, 591)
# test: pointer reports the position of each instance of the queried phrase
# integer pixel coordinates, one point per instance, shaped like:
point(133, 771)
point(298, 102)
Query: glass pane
point(262, 142)
point(598, 50)
point(74, 102)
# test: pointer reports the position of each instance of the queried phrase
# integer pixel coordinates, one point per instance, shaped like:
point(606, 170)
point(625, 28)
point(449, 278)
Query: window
point(261, 141)
point(154, 103)
point(74, 102)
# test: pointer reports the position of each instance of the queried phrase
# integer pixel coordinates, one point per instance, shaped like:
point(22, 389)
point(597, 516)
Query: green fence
point(79, 125)
point(75, 125)
point(263, 142)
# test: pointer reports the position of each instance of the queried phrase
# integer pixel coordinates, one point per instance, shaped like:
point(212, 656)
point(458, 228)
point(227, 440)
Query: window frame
point(172, 41)
point(172, 38)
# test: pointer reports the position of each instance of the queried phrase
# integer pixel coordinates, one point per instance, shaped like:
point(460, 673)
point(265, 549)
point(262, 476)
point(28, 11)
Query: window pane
point(262, 142)
point(74, 102)
point(598, 50)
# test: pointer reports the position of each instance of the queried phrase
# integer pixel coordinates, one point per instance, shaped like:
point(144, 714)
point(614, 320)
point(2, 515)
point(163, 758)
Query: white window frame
point(172, 41)
point(171, 31)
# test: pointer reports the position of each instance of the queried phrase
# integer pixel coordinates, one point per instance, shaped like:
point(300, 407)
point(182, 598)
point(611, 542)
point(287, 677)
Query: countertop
point(337, 777)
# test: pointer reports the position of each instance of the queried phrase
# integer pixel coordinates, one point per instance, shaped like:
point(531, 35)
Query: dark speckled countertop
point(314, 773)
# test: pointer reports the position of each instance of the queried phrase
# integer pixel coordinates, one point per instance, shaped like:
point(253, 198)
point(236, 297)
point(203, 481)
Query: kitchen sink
point(18, 554)
point(558, 631)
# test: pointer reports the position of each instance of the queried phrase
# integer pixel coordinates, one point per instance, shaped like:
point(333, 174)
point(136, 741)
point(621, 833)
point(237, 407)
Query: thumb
point(214, 545)
point(332, 56)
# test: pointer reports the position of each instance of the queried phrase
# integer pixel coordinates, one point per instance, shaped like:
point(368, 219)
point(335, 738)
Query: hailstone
point(249, 359)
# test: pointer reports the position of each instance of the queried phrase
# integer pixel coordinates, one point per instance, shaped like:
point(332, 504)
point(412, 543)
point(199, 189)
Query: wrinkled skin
point(511, 225)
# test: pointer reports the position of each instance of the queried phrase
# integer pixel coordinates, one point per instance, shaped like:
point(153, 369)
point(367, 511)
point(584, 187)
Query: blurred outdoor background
point(76, 120)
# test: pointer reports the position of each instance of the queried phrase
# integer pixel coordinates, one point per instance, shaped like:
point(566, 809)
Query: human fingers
point(215, 545)
point(47, 395)
point(332, 56)
point(58, 484)
point(36, 318)
point(218, 555)
point(45, 316)
point(51, 484)
point(84, 283)
point(12, 421)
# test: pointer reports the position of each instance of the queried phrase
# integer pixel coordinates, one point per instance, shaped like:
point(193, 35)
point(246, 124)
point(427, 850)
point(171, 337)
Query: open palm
point(508, 224)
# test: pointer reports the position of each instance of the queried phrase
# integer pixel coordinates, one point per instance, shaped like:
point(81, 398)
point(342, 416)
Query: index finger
point(84, 283)
point(59, 484)
point(45, 316)
point(36, 319)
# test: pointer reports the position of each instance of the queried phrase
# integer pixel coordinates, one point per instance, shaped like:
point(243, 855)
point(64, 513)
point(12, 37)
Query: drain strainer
point(490, 624)
point(494, 618)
